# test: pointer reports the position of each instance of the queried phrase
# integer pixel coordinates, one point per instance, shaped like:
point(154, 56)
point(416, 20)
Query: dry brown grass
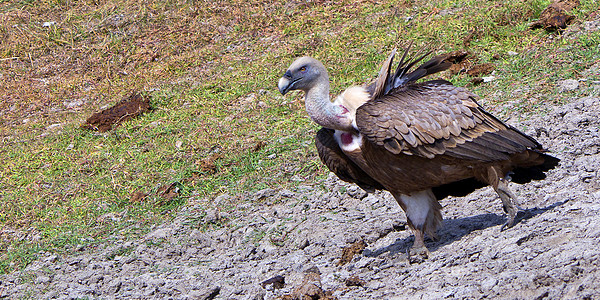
point(96, 51)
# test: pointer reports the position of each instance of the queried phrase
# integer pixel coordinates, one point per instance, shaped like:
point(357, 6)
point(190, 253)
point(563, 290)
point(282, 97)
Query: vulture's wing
point(434, 118)
point(333, 157)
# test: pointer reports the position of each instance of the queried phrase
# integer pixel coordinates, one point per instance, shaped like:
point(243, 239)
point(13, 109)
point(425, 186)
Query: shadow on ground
point(454, 229)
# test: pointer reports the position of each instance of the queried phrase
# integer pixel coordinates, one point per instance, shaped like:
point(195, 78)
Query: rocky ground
point(309, 242)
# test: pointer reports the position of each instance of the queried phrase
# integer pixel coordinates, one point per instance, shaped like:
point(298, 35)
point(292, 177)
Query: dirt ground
point(290, 244)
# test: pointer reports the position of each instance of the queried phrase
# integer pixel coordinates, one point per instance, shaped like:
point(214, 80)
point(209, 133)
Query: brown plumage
point(420, 141)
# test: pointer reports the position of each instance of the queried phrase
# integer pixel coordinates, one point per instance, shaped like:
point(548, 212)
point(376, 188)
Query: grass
point(211, 68)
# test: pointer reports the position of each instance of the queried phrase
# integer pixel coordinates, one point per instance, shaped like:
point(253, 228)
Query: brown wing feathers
point(435, 118)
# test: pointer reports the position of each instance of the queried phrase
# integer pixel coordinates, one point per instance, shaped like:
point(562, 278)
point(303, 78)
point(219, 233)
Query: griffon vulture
point(420, 141)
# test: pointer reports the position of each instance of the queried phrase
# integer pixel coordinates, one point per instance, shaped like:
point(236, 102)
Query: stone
point(568, 85)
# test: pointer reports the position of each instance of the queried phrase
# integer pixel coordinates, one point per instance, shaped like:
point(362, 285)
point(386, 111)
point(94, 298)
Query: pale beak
point(284, 85)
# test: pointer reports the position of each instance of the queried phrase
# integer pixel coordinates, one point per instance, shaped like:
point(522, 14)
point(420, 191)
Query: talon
point(507, 225)
point(418, 254)
point(512, 213)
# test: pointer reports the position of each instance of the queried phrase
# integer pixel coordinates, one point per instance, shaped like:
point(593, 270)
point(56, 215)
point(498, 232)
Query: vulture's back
point(433, 134)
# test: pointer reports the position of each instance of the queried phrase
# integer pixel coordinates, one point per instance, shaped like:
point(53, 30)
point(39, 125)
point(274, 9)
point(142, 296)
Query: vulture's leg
point(509, 202)
point(424, 216)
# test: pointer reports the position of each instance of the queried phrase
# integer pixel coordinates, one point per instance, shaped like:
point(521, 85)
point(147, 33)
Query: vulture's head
point(303, 74)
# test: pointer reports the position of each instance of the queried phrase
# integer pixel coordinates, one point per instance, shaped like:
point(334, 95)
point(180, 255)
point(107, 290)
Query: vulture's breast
point(349, 142)
point(352, 145)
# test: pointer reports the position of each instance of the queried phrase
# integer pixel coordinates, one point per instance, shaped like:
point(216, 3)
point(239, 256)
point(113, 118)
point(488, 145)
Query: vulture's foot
point(509, 203)
point(417, 255)
point(418, 252)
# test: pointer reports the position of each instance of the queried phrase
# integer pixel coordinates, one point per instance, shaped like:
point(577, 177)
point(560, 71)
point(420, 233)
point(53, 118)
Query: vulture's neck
point(325, 113)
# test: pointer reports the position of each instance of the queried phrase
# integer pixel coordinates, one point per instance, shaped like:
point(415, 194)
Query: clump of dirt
point(128, 108)
point(137, 196)
point(207, 164)
point(310, 288)
point(555, 17)
point(169, 191)
point(354, 281)
point(349, 252)
point(476, 81)
point(259, 146)
point(481, 69)
point(463, 61)
point(277, 282)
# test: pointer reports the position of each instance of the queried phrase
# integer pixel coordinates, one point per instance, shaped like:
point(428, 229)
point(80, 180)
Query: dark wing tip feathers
point(403, 75)
point(387, 81)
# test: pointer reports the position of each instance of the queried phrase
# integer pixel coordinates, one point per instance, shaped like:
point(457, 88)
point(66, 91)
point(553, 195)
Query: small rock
point(266, 193)
point(364, 262)
point(212, 216)
point(568, 85)
point(160, 233)
point(54, 126)
point(303, 243)
point(488, 78)
point(114, 286)
point(42, 279)
point(375, 285)
point(73, 103)
point(277, 282)
point(51, 258)
point(154, 124)
point(287, 194)
point(354, 281)
point(209, 293)
point(488, 284)
point(220, 200)
point(356, 192)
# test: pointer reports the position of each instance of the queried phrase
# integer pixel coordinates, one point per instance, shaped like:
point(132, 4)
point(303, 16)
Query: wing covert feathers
point(434, 118)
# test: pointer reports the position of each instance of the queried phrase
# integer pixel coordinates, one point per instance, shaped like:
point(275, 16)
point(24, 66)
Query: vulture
point(421, 141)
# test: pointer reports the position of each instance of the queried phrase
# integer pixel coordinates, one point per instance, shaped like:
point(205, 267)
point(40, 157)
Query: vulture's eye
point(303, 69)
